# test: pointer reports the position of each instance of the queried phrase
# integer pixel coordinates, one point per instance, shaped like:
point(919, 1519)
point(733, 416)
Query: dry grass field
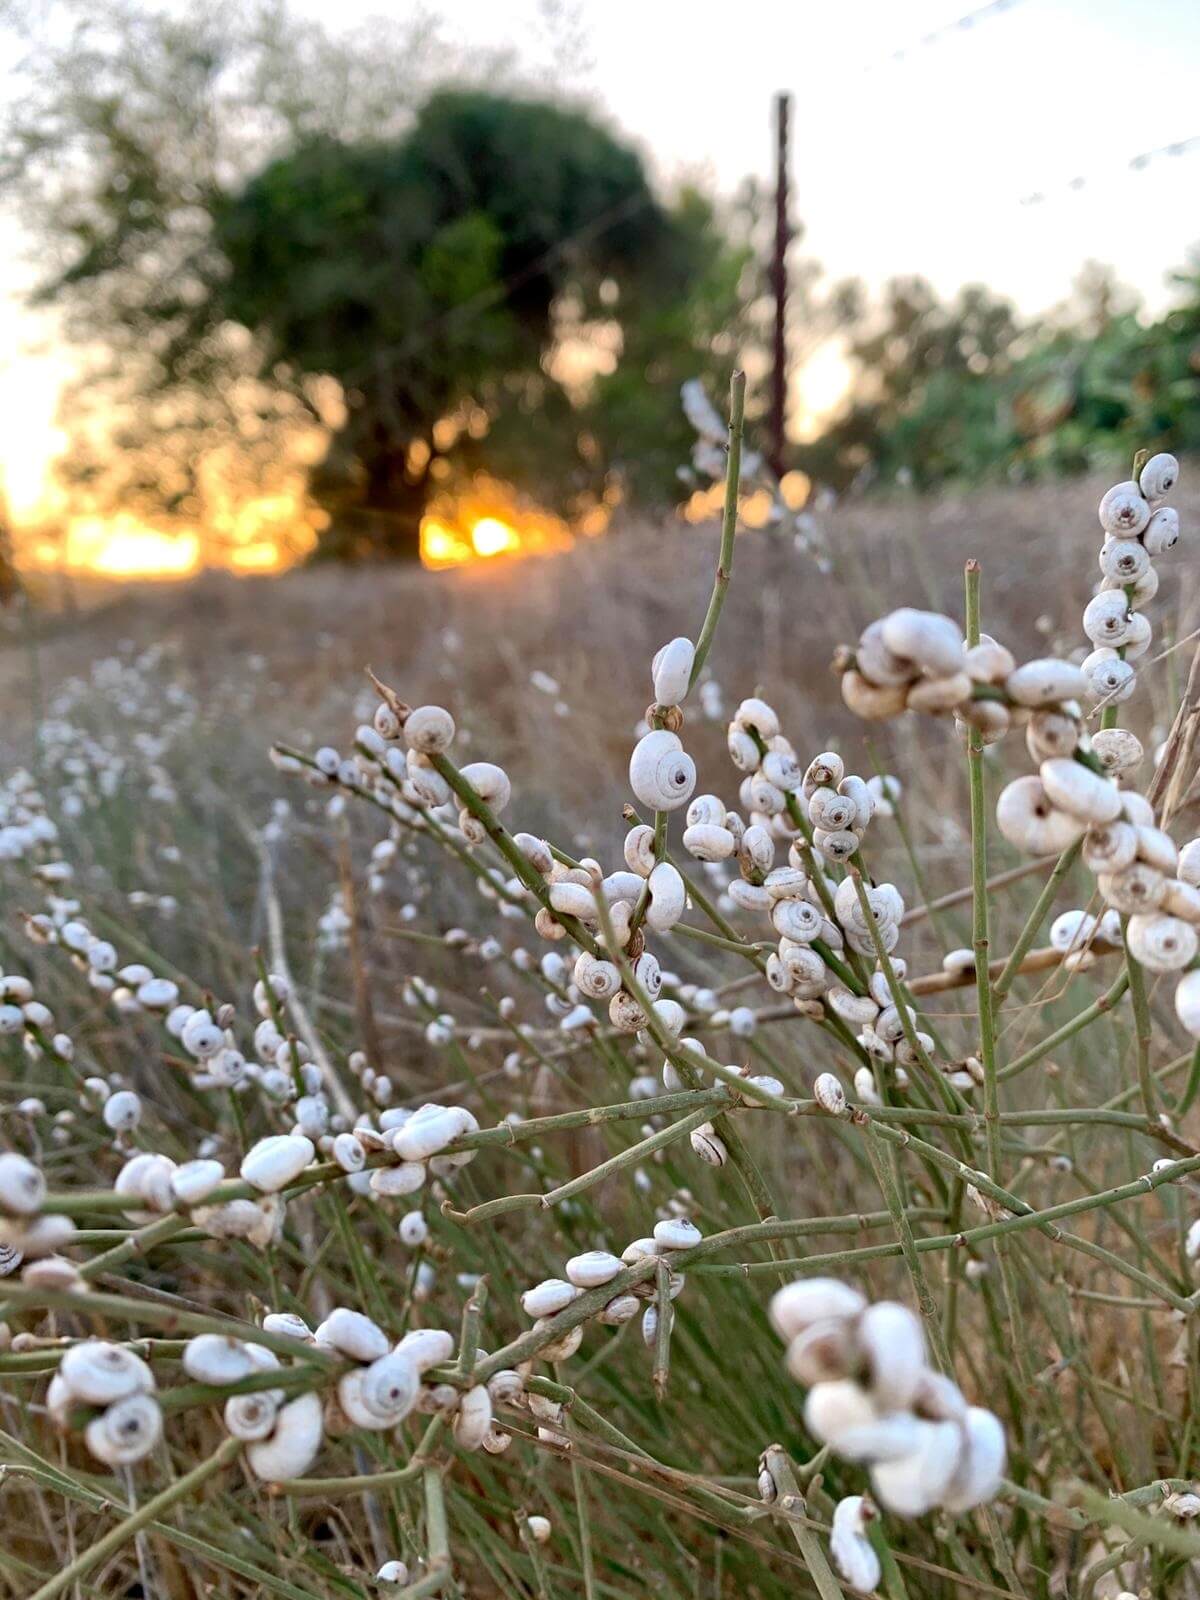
point(147, 719)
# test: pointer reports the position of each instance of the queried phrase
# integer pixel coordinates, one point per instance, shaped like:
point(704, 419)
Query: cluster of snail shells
point(772, 773)
point(908, 660)
point(874, 1399)
point(119, 1387)
point(429, 731)
point(1138, 526)
point(24, 1231)
point(661, 773)
point(416, 1142)
point(594, 1268)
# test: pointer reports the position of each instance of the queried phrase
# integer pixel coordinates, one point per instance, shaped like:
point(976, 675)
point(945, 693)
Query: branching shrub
point(610, 1315)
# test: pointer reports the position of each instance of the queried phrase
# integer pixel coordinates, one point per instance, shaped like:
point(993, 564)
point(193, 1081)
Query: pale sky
point(913, 166)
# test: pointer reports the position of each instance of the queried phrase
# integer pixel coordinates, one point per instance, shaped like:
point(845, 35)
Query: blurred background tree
point(437, 278)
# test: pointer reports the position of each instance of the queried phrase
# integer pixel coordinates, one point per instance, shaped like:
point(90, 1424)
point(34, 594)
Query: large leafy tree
point(432, 277)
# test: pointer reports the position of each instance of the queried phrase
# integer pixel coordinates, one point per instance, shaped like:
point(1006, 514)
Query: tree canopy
point(427, 276)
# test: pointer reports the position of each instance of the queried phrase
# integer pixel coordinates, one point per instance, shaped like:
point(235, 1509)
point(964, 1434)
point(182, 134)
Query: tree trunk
point(374, 514)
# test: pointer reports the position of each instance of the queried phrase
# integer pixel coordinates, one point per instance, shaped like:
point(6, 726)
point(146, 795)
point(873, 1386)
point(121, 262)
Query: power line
point(936, 36)
point(1136, 164)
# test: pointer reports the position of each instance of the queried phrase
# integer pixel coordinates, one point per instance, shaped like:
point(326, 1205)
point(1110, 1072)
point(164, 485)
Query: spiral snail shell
point(489, 782)
point(1027, 818)
point(251, 1416)
point(639, 850)
point(1123, 511)
point(598, 980)
point(126, 1431)
point(1159, 476)
point(429, 729)
point(1161, 533)
point(1162, 943)
point(98, 1373)
point(661, 773)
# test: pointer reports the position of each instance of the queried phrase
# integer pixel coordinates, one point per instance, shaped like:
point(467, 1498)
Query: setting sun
point(490, 537)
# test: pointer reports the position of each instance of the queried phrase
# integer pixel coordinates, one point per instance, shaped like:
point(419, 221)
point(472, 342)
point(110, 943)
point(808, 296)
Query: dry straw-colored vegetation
point(1005, 1177)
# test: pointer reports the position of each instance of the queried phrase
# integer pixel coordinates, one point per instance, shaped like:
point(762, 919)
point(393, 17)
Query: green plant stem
point(790, 1503)
point(1034, 922)
point(729, 517)
point(150, 1512)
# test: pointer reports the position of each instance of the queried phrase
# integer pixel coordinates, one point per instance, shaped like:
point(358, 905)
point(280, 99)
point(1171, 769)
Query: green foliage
point(963, 391)
point(433, 273)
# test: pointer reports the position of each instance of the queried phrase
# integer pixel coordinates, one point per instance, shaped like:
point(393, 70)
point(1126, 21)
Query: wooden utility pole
point(783, 105)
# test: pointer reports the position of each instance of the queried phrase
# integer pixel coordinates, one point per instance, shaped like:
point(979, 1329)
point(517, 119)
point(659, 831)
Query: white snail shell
point(1159, 476)
point(1045, 682)
point(430, 787)
point(757, 715)
point(708, 842)
point(1106, 618)
point(351, 1334)
point(1161, 533)
point(195, 1181)
point(292, 1446)
point(1125, 560)
point(1028, 819)
point(668, 897)
point(625, 1013)
point(430, 1129)
point(1117, 749)
point(426, 1347)
point(1107, 677)
point(217, 1359)
point(563, 1348)
point(913, 1484)
point(598, 980)
point(871, 701)
point(98, 1373)
point(289, 1325)
point(276, 1161)
point(936, 695)
point(1161, 943)
point(661, 773)
point(749, 896)
point(708, 1145)
point(829, 1094)
point(126, 1432)
point(489, 782)
point(1187, 1003)
point(251, 1416)
point(1074, 788)
point(1123, 511)
point(978, 1475)
point(1156, 848)
point(927, 638)
point(893, 1343)
point(22, 1186)
point(1136, 889)
point(743, 751)
point(592, 1268)
point(672, 671)
point(639, 850)
point(797, 1305)
point(429, 729)
point(852, 1551)
point(405, 1178)
point(553, 1294)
